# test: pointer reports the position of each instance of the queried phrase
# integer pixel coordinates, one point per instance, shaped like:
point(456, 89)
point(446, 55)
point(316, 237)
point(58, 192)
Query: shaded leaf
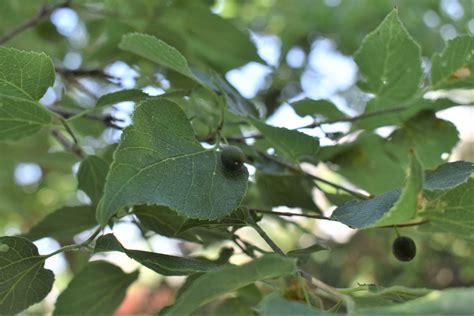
point(276, 305)
point(392, 207)
point(121, 96)
point(454, 67)
point(24, 78)
point(323, 109)
point(228, 279)
point(294, 145)
point(23, 279)
point(160, 263)
point(98, 289)
point(160, 162)
point(64, 223)
point(448, 175)
point(91, 177)
point(305, 253)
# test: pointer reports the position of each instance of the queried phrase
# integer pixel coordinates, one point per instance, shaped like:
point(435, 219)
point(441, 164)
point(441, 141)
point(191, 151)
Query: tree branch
point(406, 224)
point(107, 119)
point(67, 144)
point(85, 73)
point(316, 178)
point(289, 214)
point(43, 13)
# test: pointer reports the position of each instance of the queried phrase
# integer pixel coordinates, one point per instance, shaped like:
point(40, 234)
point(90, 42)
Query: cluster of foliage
point(178, 170)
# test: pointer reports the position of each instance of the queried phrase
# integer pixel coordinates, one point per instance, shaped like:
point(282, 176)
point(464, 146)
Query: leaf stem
point(76, 247)
point(425, 221)
point(67, 144)
point(289, 214)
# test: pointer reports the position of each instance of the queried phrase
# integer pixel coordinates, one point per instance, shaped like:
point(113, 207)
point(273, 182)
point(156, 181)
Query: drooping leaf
point(390, 61)
point(160, 263)
point(228, 279)
point(384, 296)
point(392, 207)
point(91, 177)
point(454, 67)
point(447, 302)
point(276, 305)
point(157, 51)
point(448, 175)
point(159, 162)
point(23, 279)
point(305, 253)
point(453, 211)
point(322, 109)
point(294, 145)
point(121, 96)
point(24, 78)
point(98, 289)
point(64, 223)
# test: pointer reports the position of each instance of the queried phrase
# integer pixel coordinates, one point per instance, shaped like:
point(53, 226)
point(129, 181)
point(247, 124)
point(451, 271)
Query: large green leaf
point(98, 289)
point(390, 61)
point(64, 223)
point(159, 162)
point(294, 145)
point(157, 51)
point(91, 177)
point(160, 263)
point(23, 279)
point(447, 302)
point(453, 211)
point(448, 175)
point(228, 279)
point(276, 305)
point(454, 67)
point(24, 78)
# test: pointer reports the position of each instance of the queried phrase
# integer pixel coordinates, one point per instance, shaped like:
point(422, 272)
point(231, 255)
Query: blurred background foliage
point(271, 40)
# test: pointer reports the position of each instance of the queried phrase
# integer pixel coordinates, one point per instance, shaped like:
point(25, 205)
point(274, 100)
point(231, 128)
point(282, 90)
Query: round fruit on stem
point(232, 157)
point(404, 248)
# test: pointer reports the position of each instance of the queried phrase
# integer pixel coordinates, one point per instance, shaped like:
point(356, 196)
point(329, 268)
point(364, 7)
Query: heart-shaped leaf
point(160, 162)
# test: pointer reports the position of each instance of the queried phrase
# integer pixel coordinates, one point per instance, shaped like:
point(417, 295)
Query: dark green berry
point(232, 157)
point(404, 248)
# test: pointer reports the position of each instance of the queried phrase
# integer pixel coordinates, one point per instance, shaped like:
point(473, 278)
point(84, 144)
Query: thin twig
point(356, 118)
point(289, 214)
point(43, 13)
point(316, 178)
point(265, 237)
point(67, 144)
point(94, 72)
point(107, 119)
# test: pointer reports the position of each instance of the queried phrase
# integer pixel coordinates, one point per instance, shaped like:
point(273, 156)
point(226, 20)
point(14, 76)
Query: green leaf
point(23, 279)
point(98, 289)
point(157, 51)
point(305, 253)
point(233, 306)
point(390, 61)
point(284, 190)
point(392, 207)
point(228, 279)
point(428, 136)
point(323, 109)
point(454, 67)
point(159, 162)
point(447, 302)
point(160, 263)
point(121, 96)
point(64, 223)
point(453, 211)
point(24, 78)
point(91, 177)
point(294, 145)
point(275, 305)
point(448, 175)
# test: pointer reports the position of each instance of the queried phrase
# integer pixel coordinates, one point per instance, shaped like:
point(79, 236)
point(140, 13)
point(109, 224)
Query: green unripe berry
point(232, 157)
point(404, 248)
